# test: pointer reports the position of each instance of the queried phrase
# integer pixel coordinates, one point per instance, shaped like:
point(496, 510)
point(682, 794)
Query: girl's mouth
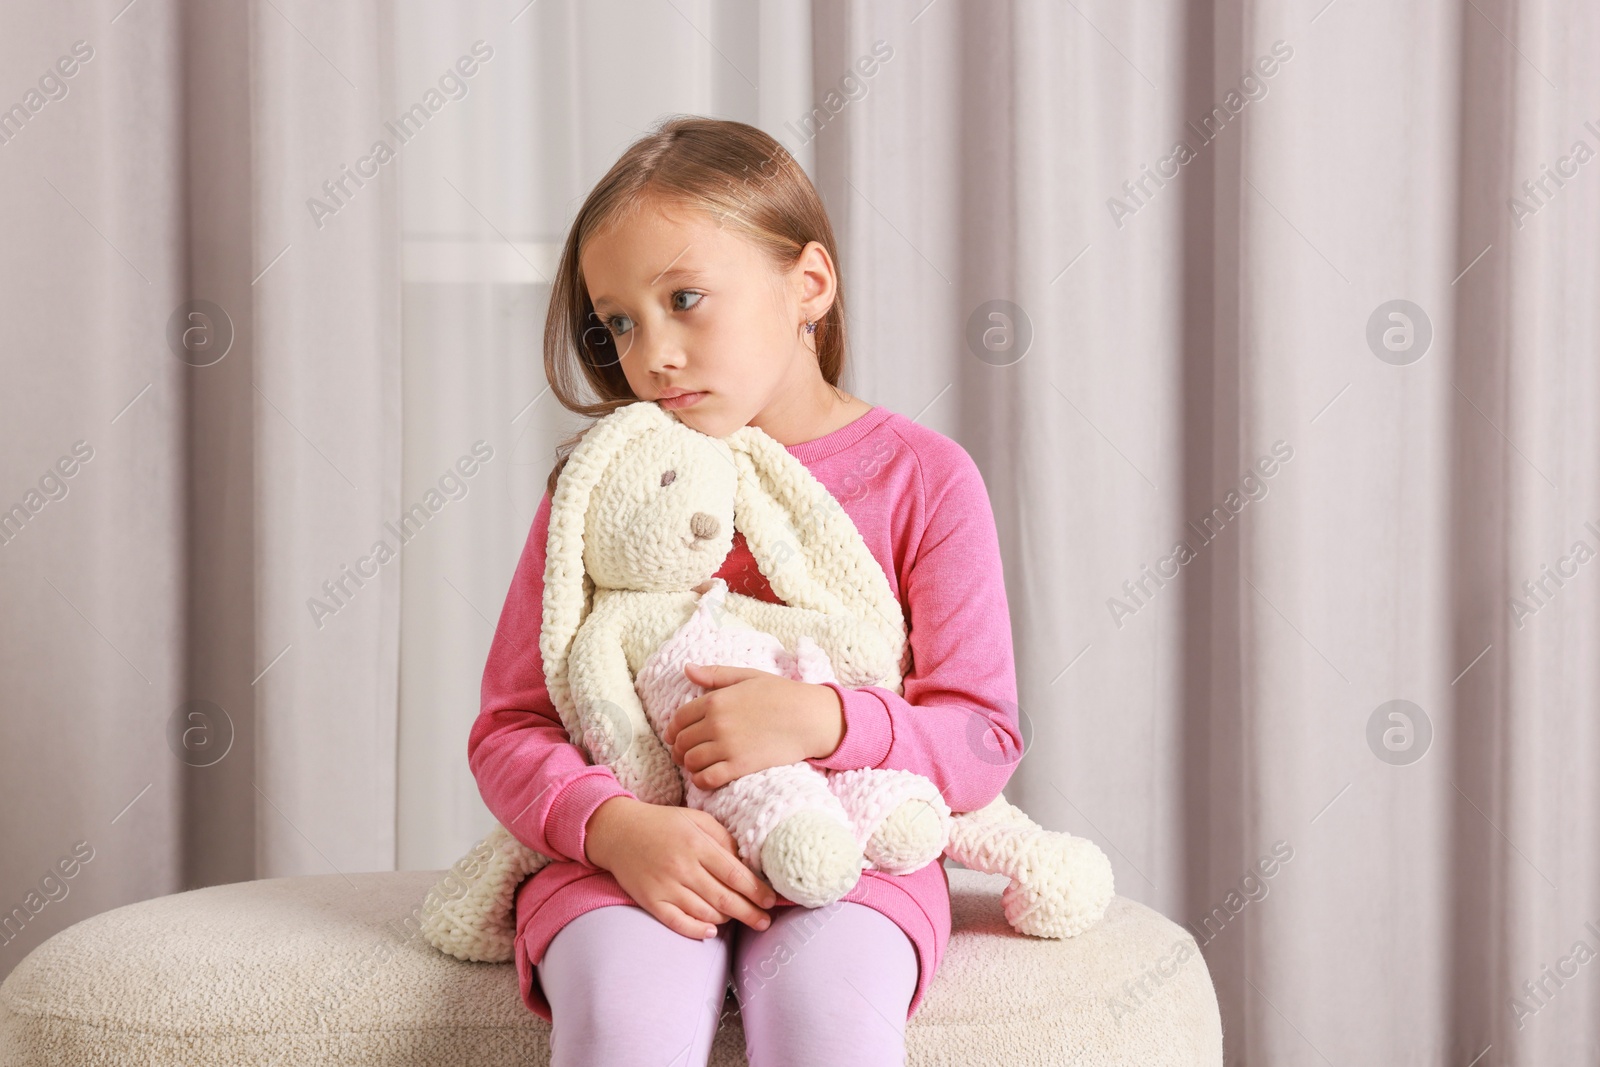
point(686, 400)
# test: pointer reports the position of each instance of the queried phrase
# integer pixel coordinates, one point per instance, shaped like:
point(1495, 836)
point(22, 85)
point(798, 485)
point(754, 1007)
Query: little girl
point(701, 273)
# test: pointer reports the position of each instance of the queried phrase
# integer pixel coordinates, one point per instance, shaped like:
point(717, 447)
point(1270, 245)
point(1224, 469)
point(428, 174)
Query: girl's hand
point(751, 720)
point(679, 864)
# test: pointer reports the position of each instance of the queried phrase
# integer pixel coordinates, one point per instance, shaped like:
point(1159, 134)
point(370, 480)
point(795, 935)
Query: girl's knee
point(621, 984)
point(805, 947)
point(845, 966)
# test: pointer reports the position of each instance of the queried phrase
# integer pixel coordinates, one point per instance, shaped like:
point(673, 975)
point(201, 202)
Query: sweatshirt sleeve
point(958, 722)
point(534, 780)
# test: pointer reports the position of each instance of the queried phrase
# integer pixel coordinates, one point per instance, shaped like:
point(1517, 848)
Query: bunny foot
point(1061, 890)
point(1060, 885)
point(811, 858)
point(910, 837)
point(899, 817)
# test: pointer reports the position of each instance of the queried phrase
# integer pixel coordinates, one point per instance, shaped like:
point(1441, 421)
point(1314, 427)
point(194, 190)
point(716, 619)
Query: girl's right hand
point(679, 864)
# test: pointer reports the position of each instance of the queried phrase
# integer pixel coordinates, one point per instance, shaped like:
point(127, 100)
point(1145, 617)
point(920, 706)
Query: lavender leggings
point(825, 986)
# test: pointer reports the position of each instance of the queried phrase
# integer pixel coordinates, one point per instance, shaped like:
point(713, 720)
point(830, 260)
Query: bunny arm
point(611, 722)
point(844, 639)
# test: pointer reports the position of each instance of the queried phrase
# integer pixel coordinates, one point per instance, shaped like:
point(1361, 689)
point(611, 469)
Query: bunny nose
point(703, 525)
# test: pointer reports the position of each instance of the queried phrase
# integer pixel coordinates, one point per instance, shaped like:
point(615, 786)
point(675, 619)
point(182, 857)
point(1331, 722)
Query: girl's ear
point(568, 589)
point(805, 543)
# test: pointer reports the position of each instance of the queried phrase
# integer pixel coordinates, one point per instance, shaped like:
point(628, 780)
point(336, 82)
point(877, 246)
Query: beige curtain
point(221, 378)
point(1377, 502)
point(1291, 436)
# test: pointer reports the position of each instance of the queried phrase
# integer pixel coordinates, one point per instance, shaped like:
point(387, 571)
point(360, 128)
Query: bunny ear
point(805, 543)
point(568, 589)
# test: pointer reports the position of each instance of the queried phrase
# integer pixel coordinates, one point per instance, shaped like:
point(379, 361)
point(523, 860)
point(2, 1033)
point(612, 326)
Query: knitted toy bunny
point(624, 556)
point(787, 821)
point(805, 828)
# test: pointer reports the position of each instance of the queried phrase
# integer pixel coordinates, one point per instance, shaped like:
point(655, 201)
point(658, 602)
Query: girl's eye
point(607, 320)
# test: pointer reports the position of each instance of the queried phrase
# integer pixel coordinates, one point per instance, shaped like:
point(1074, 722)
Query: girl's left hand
point(749, 720)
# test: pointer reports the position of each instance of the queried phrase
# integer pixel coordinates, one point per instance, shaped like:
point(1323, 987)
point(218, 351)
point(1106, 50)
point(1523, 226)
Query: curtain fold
point(329, 523)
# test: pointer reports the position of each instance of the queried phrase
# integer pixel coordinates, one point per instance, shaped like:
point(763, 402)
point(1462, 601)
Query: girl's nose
point(657, 354)
point(703, 525)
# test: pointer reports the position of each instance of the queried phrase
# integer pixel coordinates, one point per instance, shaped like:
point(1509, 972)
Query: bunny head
point(659, 514)
point(646, 503)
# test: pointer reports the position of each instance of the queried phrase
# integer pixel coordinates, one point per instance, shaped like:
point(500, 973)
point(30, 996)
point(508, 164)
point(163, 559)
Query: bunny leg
point(900, 820)
point(471, 913)
point(1060, 885)
point(790, 828)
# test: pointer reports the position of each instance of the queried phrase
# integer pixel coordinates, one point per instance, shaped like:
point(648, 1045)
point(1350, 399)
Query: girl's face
point(695, 306)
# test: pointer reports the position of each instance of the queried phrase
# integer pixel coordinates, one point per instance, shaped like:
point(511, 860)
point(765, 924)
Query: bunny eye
point(669, 477)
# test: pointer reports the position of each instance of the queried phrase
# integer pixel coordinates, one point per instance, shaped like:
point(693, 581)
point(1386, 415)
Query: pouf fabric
point(329, 969)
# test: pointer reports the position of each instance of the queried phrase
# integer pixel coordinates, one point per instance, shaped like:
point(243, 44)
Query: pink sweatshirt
point(920, 504)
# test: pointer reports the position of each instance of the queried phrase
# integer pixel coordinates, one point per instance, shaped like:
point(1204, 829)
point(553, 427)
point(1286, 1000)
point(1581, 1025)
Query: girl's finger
point(721, 862)
point(679, 921)
point(714, 774)
point(693, 903)
point(720, 890)
point(686, 738)
point(686, 715)
point(699, 757)
point(741, 879)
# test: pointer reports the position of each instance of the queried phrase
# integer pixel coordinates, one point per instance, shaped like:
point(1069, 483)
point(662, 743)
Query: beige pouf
point(329, 970)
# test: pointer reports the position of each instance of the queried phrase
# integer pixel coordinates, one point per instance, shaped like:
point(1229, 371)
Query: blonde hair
point(736, 174)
